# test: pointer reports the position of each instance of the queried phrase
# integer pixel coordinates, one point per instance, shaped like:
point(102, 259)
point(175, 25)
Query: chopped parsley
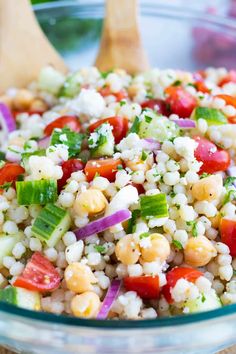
point(144, 235)
point(177, 244)
point(122, 103)
point(148, 119)
point(177, 83)
point(13, 150)
point(230, 195)
point(172, 194)
point(203, 298)
point(132, 221)
point(104, 74)
point(27, 145)
point(229, 181)
point(144, 156)
point(74, 140)
point(135, 126)
point(193, 225)
point(6, 186)
point(100, 248)
point(120, 167)
point(204, 175)
point(192, 85)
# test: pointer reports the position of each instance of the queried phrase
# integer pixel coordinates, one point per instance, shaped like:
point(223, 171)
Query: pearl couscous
point(118, 193)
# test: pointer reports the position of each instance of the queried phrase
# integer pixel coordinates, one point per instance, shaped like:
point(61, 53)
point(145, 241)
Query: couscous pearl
point(51, 254)
point(66, 199)
point(69, 238)
point(72, 187)
point(171, 178)
point(18, 250)
point(100, 183)
point(35, 244)
point(17, 268)
point(10, 227)
point(8, 261)
point(226, 272)
point(135, 270)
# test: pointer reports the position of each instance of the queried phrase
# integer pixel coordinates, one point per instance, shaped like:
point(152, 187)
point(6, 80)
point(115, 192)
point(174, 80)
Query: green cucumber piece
point(211, 115)
point(205, 302)
point(7, 244)
point(20, 297)
point(71, 86)
point(101, 141)
point(36, 192)
point(69, 138)
point(51, 224)
point(157, 127)
point(154, 206)
point(26, 155)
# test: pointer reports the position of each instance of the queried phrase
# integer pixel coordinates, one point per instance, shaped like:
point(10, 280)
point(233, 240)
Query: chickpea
point(79, 277)
point(215, 221)
point(160, 248)
point(199, 251)
point(86, 305)
point(22, 99)
point(127, 250)
point(208, 188)
point(138, 165)
point(91, 201)
point(38, 105)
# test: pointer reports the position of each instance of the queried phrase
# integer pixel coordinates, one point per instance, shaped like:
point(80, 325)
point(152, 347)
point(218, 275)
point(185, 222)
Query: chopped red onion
point(44, 142)
point(150, 144)
point(102, 224)
point(185, 123)
point(110, 297)
point(7, 121)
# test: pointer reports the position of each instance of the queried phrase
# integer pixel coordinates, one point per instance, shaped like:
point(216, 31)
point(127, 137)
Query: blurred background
point(179, 34)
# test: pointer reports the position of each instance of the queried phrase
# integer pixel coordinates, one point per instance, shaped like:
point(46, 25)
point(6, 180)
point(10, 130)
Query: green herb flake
point(27, 145)
point(204, 175)
point(177, 83)
point(6, 186)
point(203, 298)
point(144, 156)
point(122, 103)
point(177, 244)
point(229, 181)
point(132, 221)
point(135, 126)
point(144, 235)
point(74, 140)
point(100, 248)
point(193, 225)
point(230, 195)
point(13, 150)
point(120, 167)
point(148, 119)
point(172, 194)
point(104, 74)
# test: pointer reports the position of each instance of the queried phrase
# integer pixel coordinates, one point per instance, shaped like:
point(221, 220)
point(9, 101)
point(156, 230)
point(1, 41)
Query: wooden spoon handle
point(121, 43)
point(24, 49)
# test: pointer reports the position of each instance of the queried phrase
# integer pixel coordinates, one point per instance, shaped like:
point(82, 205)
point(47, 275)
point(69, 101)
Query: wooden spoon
point(121, 43)
point(24, 49)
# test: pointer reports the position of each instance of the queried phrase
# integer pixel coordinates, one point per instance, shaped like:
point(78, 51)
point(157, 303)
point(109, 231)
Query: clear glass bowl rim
point(47, 318)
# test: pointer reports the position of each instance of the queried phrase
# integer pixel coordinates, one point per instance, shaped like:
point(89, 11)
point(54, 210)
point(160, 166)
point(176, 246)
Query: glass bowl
point(173, 37)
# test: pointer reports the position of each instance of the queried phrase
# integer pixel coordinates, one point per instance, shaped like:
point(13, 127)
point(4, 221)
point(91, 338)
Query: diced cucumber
point(36, 192)
point(205, 302)
point(71, 86)
point(102, 142)
point(157, 127)
point(51, 224)
point(50, 80)
point(211, 115)
point(7, 244)
point(154, 206)
point(69, 138)
point(20, 297)
point(26, 155)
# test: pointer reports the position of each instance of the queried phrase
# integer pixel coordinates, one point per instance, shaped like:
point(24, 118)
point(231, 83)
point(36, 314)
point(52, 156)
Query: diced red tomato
point(68, 167)
point(229, 100)
point(228, 234)
point(139, 188)
point(157, 105)
point(119, 124)
point(106, 91)
point(71, 122)
point(230, 77)
point(189, 274)
point(232, 120)
point(147, 287)
point(104, 167)
point(9, 172)
point(38, 275)
point(201, 86)
point(213, 158)
point(180, 101)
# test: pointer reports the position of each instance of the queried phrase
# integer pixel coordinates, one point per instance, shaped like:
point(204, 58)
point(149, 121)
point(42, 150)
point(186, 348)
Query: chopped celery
point(36, 192)
point(69, 138)
point(51, 224)
point(154, 206)
point(211, 115)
